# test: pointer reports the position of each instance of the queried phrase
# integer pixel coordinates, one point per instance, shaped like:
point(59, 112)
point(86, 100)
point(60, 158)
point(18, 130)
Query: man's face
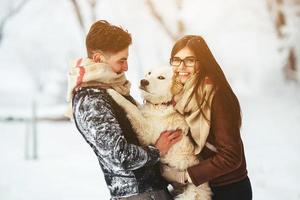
point(118, 61)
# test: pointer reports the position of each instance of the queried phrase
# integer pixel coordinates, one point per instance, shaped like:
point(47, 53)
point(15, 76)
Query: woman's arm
point(226, 132)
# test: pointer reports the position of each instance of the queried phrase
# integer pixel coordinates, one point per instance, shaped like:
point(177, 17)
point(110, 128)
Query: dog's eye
point(161, 77)
point(149, 73)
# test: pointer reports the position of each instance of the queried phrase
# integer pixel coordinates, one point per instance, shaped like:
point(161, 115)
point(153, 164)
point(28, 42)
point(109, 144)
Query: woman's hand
point(166, 140)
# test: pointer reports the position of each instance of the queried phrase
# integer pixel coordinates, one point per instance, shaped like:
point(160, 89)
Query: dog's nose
point(144, 82)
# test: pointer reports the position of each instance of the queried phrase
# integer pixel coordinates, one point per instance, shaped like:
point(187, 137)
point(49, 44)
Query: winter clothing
point(160, 195)
point(128, 169)
point(228, 164)
point(186, 104)
point(236, 191)
point(85, 72)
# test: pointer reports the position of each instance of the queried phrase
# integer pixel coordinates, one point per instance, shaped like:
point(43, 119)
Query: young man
point(131, 171)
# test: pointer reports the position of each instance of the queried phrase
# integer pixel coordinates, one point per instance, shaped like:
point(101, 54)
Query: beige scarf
point(85, 73)
point(187, 106)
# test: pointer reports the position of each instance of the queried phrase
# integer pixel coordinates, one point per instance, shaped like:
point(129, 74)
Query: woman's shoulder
point(221, 101)
point(219, 96)
point(225, 105)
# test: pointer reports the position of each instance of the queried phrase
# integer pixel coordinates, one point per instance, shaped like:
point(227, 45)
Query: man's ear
point(98, 57)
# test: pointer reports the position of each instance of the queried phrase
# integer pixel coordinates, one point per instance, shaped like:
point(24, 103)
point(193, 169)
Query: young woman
point(203, 95)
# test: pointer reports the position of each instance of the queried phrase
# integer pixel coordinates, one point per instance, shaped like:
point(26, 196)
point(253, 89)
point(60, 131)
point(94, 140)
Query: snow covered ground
point(68, 169)
point(35, 51)
point(271, 137)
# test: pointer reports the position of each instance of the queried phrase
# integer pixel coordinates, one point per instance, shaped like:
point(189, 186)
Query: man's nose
point(144, 82)
point(125, 66)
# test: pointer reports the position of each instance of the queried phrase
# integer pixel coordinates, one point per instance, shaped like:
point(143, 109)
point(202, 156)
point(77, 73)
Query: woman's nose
point(144, 82)
point(181, 66)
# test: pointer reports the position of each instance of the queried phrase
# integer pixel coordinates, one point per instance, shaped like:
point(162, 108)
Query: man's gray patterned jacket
point(128, 168)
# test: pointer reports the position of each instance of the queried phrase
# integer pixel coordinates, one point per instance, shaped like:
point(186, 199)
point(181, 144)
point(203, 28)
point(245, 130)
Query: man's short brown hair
point(107, 38)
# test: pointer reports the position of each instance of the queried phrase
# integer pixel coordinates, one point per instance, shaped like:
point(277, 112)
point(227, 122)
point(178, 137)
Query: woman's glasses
point(188, 61)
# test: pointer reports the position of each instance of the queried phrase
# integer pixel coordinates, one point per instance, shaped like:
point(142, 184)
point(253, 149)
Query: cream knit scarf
point(188, 107)
point(85, 73)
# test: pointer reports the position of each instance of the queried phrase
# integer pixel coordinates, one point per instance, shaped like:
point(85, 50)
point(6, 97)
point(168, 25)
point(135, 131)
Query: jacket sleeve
point(227, 141)
point(99, 126)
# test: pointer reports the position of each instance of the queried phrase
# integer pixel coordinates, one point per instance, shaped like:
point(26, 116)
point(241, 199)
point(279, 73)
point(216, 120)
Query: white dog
point(157, 115)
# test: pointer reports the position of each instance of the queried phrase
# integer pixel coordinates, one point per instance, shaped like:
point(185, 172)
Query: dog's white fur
point(157, 115)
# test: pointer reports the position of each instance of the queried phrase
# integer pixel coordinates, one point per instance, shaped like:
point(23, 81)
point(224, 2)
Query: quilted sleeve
point(99, 126)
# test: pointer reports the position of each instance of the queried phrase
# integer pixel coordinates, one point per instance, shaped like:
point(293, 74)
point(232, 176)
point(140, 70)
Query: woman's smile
point(184, 72)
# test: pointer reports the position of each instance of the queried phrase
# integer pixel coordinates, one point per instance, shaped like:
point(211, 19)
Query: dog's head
point(156, 85)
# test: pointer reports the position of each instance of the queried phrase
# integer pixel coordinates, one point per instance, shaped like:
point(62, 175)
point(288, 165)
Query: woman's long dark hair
point(208, 67)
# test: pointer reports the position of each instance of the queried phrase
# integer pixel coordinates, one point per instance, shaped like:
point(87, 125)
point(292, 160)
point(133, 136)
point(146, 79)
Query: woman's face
point(184, 63)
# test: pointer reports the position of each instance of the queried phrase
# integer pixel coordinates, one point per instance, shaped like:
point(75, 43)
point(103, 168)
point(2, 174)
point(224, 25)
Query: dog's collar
point(164, 103)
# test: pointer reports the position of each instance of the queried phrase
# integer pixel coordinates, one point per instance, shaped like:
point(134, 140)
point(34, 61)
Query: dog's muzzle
point(144, 83)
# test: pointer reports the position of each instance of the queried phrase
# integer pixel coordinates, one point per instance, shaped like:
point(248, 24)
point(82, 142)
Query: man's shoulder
point(91, 94)
point(91, 90)
point(94, 94)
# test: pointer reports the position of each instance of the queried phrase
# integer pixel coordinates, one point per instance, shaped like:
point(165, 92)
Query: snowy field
point(35, 51)
point(68, 169)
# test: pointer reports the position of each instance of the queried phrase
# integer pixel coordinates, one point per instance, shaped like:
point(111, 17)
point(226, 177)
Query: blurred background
point(257, 44)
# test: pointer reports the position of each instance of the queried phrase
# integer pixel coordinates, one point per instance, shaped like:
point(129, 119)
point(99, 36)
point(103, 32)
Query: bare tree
point(80, 14)
point(156, 15)
point(291, 65)
point(13, 8)
point(93, 4)
point(280, 19)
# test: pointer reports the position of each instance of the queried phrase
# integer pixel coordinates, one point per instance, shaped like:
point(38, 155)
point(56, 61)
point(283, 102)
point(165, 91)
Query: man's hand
point(166, 140)
point(174, 175)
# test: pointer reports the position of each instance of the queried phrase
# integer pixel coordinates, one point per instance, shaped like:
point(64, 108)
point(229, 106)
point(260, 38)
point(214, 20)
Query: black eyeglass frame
point(184, 61)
